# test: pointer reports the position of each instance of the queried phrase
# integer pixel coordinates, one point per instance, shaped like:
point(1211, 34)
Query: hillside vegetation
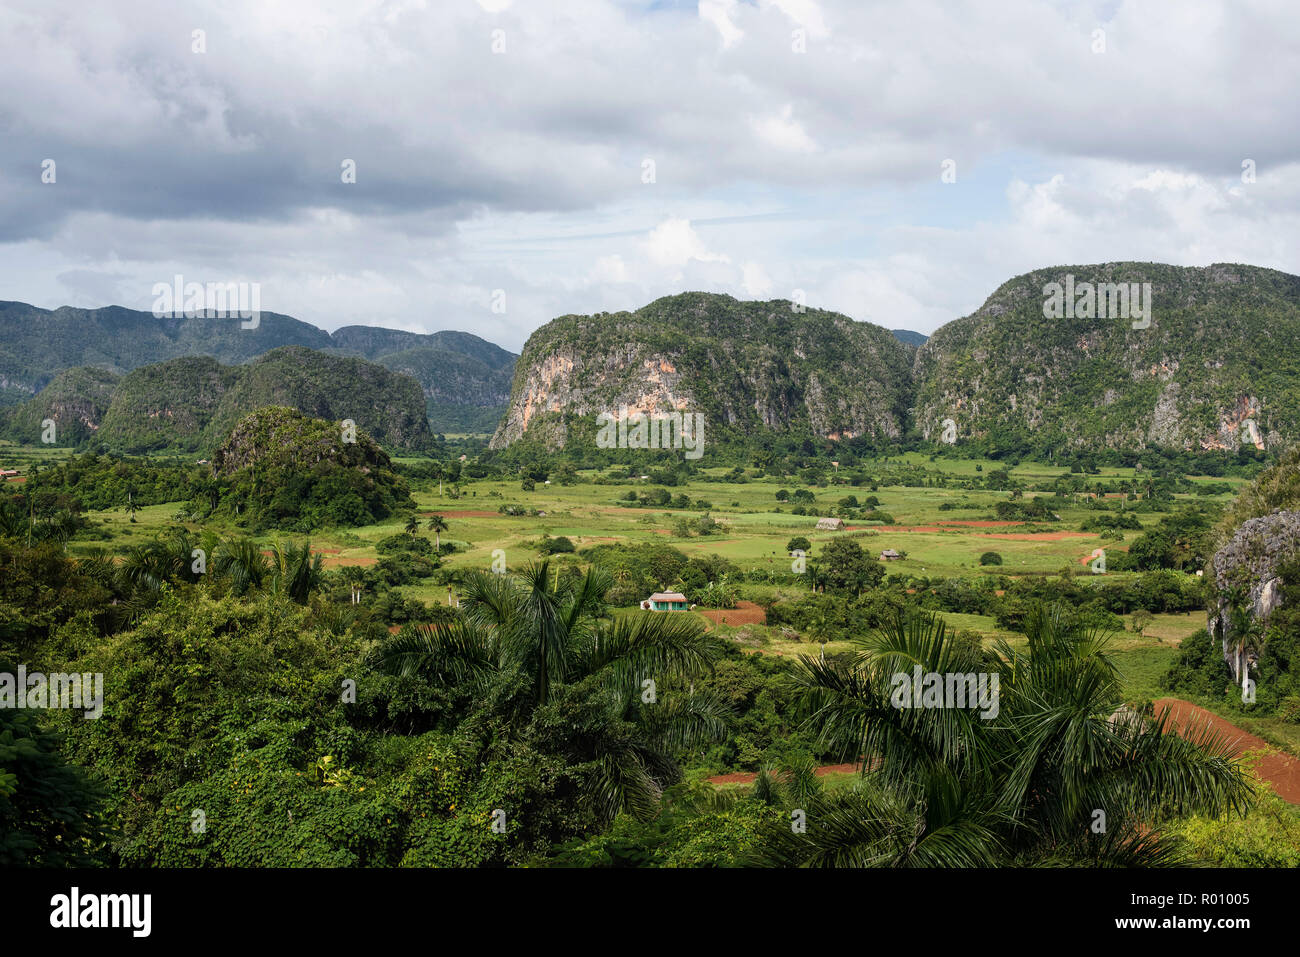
point(749, 367)
point(191, 403)
point(461, 374)
point(1218, 366)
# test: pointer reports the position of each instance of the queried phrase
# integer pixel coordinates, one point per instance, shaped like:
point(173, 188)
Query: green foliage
point(844, 566)
point(959, 787)
point(280, 469)
point(49, 810)
point(1217, 334)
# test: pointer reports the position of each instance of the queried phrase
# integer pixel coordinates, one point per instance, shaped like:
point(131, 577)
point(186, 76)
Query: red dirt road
point(1278, 769)
point(745, 777)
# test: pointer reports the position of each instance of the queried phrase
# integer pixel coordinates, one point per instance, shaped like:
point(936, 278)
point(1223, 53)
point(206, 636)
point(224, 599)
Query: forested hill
point(464, 377)
point(192, 402)
point(1215, 365)
point(748, 367)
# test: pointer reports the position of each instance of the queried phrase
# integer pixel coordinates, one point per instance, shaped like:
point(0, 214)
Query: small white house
point(665, 601)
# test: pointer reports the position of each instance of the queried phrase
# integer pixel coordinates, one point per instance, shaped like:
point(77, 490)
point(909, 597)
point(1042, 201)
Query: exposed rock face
point(77, 400)
point(746, 366)
point(1248, 566)
point(1211, 368)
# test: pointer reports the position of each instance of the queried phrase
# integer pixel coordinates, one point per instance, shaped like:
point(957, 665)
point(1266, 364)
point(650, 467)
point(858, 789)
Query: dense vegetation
point(281, 469)
point(191, 403)
point(1222, 347)
point(459, 373)
point(746, 366)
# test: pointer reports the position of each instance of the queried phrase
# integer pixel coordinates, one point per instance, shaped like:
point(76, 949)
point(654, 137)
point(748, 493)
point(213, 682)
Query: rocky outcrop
point(746, 366)
point(1245, 575)
point(1212, 367)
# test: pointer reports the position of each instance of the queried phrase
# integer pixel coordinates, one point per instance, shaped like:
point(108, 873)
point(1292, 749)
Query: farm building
point(889, 555)
point(666, 601)
point(832, 524)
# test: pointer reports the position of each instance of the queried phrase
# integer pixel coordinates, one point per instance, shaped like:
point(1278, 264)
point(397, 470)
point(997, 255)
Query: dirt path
point(1280, 770)
point(1277, 768)
point(746, 777)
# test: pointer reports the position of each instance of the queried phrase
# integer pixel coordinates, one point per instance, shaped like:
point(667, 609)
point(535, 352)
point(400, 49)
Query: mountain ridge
point(461, 374)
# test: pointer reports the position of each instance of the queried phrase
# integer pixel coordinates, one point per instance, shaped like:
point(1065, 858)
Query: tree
point(355, 577)
point(846, 567)
point(1142, 620)
point(547, 630)
point(437, 524)
point(295, 570)
point(412, 525)
point(799, 543)
point(242, 563)
point(1017, 782)
point(49, 809)
point(990, 558)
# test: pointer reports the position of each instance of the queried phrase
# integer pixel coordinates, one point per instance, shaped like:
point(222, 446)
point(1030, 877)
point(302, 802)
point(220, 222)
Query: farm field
point(936, 542)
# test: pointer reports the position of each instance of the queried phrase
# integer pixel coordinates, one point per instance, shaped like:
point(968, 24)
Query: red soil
point(1036, 536)
point(745, 613)
point(1280, 770)
point(939, 527)
point(336, 561)
point(744, 777)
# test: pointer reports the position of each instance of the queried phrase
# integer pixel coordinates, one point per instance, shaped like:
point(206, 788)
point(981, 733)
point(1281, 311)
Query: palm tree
point(295, 570)
point(944, 786)
point(819, 628)
point(437, 524)
point(355, 576)
point(412, 525)
point(1244, 626)
point(241, 562)
point(549, 631)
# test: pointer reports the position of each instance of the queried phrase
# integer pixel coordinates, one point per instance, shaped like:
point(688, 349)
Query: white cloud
point(783, 131)
point(674, 243)
point(754, 281)
point(521, 170)
point(719, 13)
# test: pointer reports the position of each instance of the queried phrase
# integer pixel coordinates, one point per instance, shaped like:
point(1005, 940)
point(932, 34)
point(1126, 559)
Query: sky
point(518, 161)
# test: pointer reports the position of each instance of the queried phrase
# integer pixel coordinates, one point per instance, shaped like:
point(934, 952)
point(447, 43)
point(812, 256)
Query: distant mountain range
point(908, 337)
point(465, 379)
point(1124, 356)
